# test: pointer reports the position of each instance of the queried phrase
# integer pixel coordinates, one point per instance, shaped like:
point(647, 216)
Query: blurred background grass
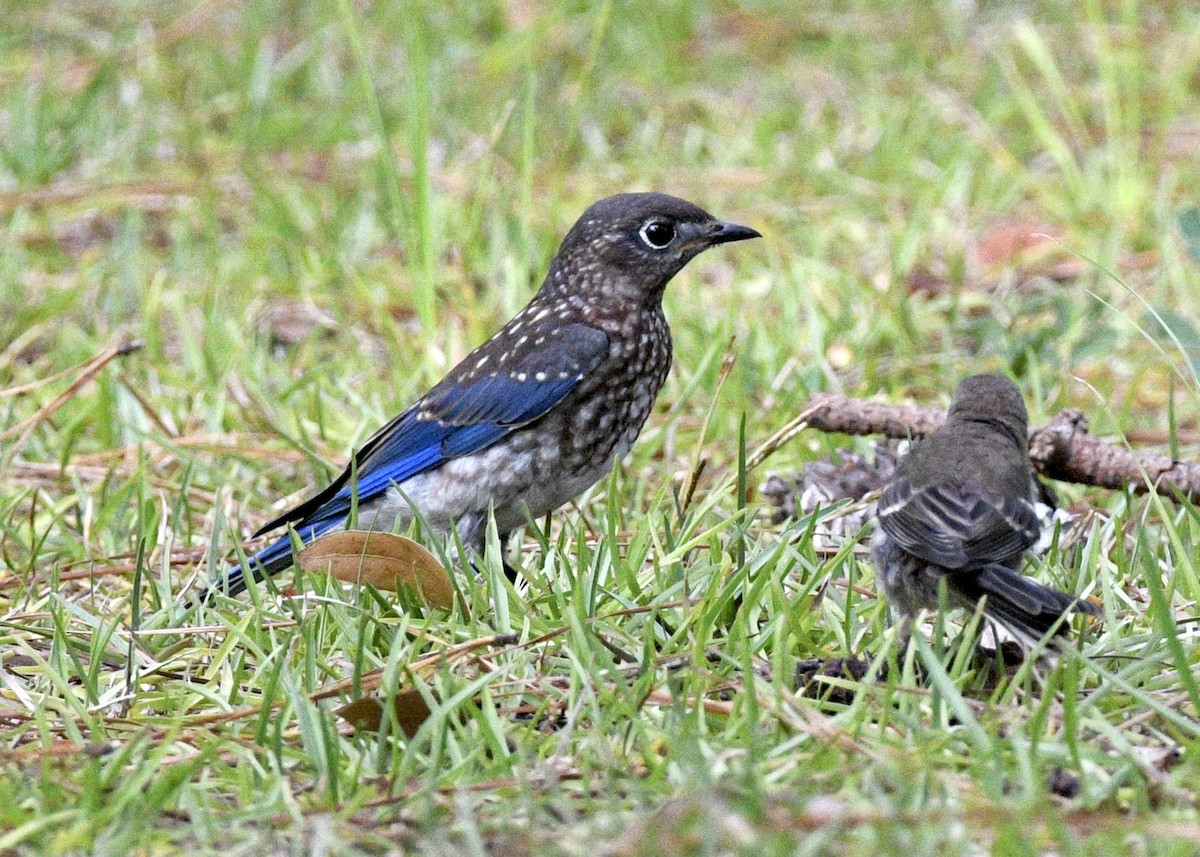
point(310, 211)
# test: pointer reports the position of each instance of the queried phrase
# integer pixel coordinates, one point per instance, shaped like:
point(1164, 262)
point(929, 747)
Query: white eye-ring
point(657, 234)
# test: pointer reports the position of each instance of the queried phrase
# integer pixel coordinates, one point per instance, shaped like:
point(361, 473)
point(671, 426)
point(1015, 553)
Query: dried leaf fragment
point(366, 714)
point(384, 560)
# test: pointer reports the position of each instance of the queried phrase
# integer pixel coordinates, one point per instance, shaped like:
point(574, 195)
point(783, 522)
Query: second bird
point(960, 510)
point(538, 413)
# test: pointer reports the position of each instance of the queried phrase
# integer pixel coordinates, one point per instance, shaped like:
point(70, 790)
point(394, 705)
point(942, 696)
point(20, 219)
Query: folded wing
point(956, 527)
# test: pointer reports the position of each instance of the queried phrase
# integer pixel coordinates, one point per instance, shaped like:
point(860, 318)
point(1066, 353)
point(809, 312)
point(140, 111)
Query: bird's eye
point(657, 234)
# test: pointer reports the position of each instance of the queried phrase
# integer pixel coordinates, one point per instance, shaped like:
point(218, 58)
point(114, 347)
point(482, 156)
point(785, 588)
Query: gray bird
point(961, 509)
point(538, 413)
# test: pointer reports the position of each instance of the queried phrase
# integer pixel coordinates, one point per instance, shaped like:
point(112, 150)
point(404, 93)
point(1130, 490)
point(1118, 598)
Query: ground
point(291, 218)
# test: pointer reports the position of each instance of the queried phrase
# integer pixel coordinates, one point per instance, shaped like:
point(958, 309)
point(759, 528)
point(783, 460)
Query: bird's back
point(973, 455)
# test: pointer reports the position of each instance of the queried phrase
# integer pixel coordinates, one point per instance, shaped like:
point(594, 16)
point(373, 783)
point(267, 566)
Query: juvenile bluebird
point(961, 509)
point(536, 414)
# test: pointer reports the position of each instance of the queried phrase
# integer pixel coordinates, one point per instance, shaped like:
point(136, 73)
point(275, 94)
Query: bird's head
point(991, 399)
point(636, 242)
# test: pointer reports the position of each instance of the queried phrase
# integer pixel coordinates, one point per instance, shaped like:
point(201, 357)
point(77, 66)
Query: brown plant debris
point(825, 481)
point(1062, 449)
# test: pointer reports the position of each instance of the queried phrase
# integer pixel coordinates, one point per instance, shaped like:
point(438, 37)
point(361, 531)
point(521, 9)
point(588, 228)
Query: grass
point(307, 213)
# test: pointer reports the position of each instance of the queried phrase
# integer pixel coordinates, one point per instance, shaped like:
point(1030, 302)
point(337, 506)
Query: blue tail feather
point(272, 559)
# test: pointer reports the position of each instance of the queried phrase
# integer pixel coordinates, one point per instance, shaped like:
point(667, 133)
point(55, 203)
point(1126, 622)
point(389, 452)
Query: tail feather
point(271, 560)
point(1023, 606)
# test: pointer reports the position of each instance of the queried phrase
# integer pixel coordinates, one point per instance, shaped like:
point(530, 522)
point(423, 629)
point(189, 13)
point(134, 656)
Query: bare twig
point(1061, 450)
point(90, 370)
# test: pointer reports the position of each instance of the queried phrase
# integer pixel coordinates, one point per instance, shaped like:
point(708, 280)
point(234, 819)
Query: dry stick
point(1062, 449)
point(768, 447)
point(39, 473)
point(372, 679)
point(86, 574)
point(369, 681)
point(90, 370)
point(700, 462)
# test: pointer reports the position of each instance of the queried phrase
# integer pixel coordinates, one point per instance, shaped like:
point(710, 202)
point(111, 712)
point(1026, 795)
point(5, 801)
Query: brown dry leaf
point(366, 714)
point(1017, 243)
point(383, 560)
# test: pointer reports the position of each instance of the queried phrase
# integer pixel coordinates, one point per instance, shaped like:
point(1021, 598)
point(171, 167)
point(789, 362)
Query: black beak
point(723, 233)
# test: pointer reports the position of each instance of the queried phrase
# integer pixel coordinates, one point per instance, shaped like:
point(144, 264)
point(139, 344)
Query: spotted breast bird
point(536, 414)
point(961, 510)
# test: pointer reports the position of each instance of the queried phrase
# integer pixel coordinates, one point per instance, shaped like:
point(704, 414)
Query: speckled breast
point(604, 416)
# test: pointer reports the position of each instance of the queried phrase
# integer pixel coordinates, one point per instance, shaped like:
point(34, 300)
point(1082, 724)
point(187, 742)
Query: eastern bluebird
point(538, 413)
point(961, 509)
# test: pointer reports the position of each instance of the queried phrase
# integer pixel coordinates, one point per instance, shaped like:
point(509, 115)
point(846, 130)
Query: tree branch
point(1061, 450)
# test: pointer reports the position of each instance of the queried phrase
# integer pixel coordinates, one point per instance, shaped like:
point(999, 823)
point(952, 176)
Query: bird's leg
point(902, 621)
point(509, 571)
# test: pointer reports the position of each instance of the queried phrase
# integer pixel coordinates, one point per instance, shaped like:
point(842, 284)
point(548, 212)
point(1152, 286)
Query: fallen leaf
point(384, 560)
point(1020, 243)
point(366, 714)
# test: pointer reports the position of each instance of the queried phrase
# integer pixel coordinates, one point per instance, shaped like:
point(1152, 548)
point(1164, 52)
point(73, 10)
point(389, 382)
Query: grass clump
point(306, 213)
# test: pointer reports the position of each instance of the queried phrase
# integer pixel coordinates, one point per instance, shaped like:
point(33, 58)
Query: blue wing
point(414, 443)
point(465, 413)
